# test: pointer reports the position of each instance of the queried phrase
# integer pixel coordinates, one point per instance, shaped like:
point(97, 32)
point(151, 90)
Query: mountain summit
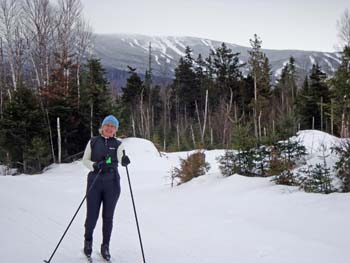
point(119, 50)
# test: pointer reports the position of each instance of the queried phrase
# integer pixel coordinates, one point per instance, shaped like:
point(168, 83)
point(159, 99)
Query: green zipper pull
point(109, 160)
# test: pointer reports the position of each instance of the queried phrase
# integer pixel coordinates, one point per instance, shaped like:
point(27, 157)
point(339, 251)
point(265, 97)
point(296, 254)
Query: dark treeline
point(50, 93)
point(211, 104)
point(53, 97)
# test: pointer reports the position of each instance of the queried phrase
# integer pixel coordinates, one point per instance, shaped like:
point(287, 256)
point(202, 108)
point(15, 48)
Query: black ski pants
point(105, 191)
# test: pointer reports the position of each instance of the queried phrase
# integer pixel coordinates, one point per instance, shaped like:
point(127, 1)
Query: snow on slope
point(319, 144)
point(209, 219)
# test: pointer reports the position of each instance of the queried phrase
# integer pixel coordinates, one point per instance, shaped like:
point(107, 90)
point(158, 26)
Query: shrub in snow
point(243, 137)
point(38, 155)
point(194, 166)
point(342, 167)
point(286, 177)
point(228, 162)
point(278, 164)
point(291, 151)
point(316, 179)
point(252, 162)
point(285, 156)
point(263, 161)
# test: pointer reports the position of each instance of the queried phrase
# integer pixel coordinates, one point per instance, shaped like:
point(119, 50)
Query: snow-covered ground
point(207, 220)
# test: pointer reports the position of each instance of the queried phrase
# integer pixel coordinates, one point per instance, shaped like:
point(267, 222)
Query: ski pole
point(133, 204)
point(76, 212)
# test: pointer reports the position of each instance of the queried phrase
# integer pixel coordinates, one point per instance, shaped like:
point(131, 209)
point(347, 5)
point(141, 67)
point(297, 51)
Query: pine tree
point(133, 97)
point(284, 99)
point(260, 71)
point(286, 87)
point(341, 94)
point(186, 87)
point(22, 130)
point(96, 97)
point(313, 99)
point(227, 74)
point(202, 78)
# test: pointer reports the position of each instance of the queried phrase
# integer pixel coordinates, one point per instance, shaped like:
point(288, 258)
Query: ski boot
point(105, 252)
point(88, 248)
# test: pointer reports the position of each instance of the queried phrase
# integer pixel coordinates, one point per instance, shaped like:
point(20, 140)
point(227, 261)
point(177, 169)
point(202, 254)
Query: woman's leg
point(93, 203)
point(110, 198)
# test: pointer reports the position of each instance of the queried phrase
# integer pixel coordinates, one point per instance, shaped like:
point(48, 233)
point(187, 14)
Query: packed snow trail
point(209, 219)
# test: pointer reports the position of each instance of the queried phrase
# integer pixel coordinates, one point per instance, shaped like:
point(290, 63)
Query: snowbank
point(316, 141)
point(210, 219)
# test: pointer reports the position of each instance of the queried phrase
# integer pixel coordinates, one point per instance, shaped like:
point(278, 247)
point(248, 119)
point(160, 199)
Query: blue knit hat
point(111, 119)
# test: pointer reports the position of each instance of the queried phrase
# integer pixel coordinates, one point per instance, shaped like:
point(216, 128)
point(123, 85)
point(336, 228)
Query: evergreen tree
point(186, 87)
point(247, 94)
point(286, 87)
point(284, 98)
point(341, 94)
point(203, 79)
point(96, 97)
point(342, 166)
point(260, 71)
point(227, 74)
point(313, 99)
point(22, 130)
point(132, 93)
point(135, 95)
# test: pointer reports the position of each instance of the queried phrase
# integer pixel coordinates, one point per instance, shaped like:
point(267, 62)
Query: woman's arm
point(87, 157)
point(120, 153)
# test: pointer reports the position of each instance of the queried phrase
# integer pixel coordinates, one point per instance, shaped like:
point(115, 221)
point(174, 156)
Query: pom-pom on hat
point(111, 119)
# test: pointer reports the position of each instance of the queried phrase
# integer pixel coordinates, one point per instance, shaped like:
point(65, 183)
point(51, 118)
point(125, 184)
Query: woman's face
point(108, 130)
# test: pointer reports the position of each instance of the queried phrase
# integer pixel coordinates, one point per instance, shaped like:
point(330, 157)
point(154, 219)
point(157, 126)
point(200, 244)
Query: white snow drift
point(210, 219)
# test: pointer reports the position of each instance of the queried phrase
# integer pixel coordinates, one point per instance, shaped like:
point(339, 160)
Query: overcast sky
point(281, 24)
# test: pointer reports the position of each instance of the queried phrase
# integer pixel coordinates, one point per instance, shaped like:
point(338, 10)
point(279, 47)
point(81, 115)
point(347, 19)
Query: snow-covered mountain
point(209, 219)
point(119, 50)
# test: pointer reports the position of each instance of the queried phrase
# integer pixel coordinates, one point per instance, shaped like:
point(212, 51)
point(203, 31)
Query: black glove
point(99, 165)
point(125, 160)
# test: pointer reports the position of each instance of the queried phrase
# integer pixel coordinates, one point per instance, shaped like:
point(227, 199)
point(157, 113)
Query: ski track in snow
point(161, 46)
point(209, 219)
point(279, 71)
point(177, 41)
point(312, 60)
point(139, 45)
point(329, 64)
point(173, 47)
point(157, 59)
point(208, 43)
point(205, 42)
point(330, 56)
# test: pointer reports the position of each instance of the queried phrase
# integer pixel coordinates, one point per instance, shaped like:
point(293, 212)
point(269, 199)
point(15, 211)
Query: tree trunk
point(133, 125)
point(321, 106)
point(59, 140)
point(259, 123)
point(205, 116)
point(178, 135)
point(255, 108)
point(50, 133)
point(193, 138)
point(199, 118)
point(332, 118)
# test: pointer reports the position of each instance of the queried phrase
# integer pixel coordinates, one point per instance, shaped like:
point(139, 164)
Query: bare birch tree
point(11, 33)
point(69, 15)
point(39, 31)
point(83, 41)
point(343, 26)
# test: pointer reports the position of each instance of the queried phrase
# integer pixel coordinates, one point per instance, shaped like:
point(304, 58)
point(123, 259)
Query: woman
point(101, 157)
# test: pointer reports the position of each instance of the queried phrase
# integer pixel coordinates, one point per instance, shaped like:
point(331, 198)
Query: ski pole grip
point(123, 152)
